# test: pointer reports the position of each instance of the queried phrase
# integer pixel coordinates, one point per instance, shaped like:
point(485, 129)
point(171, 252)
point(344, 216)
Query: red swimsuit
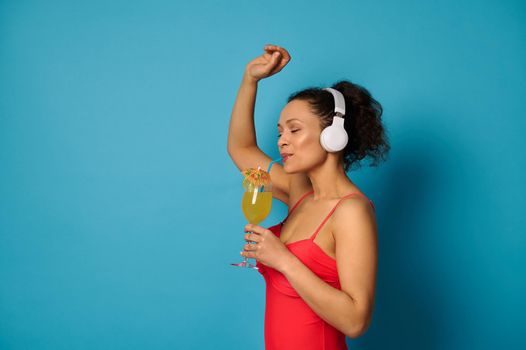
point(290, 324)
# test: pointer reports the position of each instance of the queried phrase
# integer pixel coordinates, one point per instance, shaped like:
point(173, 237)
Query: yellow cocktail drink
point(256, 206)
point(256, 202)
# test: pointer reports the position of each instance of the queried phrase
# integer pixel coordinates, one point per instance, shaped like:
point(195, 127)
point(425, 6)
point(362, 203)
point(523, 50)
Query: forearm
point(333, 305)
point(241, 131)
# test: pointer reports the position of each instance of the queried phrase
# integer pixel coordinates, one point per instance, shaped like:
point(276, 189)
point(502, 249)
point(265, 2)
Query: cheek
point(309, 143)
point(309, 150)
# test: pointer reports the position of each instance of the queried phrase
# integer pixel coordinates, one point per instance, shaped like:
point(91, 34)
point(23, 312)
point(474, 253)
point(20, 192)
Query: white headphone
point(334, 137)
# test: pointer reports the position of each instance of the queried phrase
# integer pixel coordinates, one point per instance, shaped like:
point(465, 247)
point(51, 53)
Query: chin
point(288, 169)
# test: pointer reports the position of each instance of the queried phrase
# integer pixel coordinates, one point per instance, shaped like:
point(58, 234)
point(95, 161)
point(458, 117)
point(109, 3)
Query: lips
point(285, 156)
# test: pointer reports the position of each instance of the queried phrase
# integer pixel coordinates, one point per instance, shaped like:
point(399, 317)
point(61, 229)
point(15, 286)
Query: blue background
point(120, 207)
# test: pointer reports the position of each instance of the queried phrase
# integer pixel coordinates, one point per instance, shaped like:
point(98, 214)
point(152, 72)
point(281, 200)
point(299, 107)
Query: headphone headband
point(339, 101)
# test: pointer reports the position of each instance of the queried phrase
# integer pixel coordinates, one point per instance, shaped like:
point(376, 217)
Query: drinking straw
point(270, 166)
point(255, 191)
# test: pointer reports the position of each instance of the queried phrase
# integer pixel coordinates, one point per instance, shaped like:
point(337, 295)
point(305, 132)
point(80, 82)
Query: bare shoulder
point(354, 214)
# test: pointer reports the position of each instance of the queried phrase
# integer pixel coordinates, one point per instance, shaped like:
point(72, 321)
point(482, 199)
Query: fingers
point(275, 55)
point(274, 61)
point(278, 56)
point(251, 247)
point(270, 47)
point(274, 48)
point(274, 52)
point(249, 255)
point(253, 237)
point(254, 228)
point(250, 250)
point(255, 233)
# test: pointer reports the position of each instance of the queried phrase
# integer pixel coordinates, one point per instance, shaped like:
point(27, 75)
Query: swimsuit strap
point(332, 211)
point(295, 205)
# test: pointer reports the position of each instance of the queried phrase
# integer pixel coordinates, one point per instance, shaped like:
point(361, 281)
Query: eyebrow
point(288, 121)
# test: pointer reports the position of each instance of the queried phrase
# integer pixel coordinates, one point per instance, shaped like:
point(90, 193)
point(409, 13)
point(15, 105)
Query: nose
point(282, 141)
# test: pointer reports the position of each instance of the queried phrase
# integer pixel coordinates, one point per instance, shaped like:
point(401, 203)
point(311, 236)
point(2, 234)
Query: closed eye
point(292, 131)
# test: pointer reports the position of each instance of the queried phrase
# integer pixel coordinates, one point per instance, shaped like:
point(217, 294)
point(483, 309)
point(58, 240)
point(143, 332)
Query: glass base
point(245, 264)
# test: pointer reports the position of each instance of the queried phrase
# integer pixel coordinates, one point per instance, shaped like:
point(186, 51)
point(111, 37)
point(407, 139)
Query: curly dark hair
point(367, 135)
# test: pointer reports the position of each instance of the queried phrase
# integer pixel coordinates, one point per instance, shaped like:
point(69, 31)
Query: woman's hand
point(268, 64)
point(268, 249)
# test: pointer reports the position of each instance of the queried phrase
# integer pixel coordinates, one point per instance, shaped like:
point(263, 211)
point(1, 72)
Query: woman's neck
point(329, 181)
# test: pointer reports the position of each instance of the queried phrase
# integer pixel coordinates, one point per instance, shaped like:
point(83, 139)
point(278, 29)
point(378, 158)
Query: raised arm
point(242, 143)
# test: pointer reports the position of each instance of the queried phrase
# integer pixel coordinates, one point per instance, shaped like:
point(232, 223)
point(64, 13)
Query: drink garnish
point(255, 178)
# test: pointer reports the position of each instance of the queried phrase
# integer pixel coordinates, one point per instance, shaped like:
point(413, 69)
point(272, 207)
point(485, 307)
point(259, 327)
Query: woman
point(319, 263)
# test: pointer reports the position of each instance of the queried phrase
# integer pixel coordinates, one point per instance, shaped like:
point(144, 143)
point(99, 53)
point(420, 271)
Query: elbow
point(231, 150)
point(231, 145)
point(359, 323)
point(357, 329)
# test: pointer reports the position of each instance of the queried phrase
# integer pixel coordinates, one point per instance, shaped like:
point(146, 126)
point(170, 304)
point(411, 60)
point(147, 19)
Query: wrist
point(288, 264)
point(249, 79)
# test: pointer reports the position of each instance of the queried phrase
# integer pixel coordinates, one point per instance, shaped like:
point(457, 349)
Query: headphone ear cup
point(323, 139)
point(333, 138)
